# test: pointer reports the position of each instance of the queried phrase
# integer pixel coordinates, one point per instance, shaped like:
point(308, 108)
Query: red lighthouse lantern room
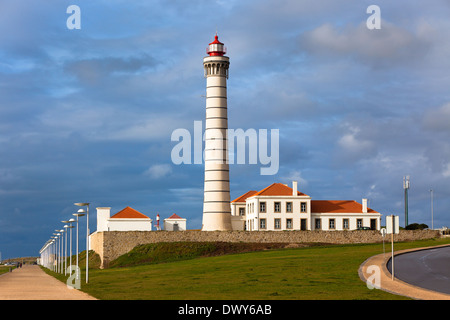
point(216, 48)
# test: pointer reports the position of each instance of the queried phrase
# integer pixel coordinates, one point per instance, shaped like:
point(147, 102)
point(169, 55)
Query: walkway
point(31, 283)
point(397, 286)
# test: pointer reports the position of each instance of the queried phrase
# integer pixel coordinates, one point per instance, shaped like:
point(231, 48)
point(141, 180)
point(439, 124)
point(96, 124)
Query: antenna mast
point(406, 185)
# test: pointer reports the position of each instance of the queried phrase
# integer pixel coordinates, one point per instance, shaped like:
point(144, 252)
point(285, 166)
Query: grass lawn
point(318, 272)
point(5, 269)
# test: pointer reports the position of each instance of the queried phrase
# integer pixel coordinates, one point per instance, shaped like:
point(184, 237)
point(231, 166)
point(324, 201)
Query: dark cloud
point(96, 70)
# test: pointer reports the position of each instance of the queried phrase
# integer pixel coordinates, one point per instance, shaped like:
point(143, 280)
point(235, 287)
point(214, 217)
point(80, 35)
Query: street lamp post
point(52, 255)
point(57, 234)
point(65, 246)
point(62, 251)
point(432, 226)
point(71, 220)
point(78, 215)
point(86, 204)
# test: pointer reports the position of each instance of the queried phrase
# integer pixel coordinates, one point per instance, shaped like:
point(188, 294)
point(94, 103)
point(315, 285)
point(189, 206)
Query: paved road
point(429, 269)
point(31, 283)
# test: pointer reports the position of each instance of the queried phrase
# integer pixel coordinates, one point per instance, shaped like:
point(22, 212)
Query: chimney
point(294, 188)
point(364, 205)
point(103, 214)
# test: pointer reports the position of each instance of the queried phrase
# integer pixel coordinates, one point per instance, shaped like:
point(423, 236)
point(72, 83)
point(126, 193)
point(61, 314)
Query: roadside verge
point(397, 286)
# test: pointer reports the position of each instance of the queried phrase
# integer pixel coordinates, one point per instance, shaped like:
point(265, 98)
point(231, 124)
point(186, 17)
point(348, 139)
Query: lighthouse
point(216, 200)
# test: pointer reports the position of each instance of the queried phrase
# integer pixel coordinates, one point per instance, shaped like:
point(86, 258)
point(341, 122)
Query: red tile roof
point(128, 213)
point(245, 196)
point(317, 206)
point(277, 189)
point(337, 206)
point(175, 216)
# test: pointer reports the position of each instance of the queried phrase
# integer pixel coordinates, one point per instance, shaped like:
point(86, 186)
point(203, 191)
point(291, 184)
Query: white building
point(279, 207)
point(175, 223)
point(128, 219)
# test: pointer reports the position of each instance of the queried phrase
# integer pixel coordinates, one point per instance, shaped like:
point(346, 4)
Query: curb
point(397, 286)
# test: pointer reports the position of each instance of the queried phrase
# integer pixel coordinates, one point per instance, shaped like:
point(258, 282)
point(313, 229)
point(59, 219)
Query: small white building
point(279, 207)
point(128, 219)
point(175, 223)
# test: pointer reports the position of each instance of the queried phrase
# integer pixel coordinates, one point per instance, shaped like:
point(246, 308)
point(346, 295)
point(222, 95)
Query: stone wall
point(112, 244)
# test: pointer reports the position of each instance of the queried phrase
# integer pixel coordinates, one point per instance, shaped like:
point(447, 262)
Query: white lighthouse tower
point(216, 201)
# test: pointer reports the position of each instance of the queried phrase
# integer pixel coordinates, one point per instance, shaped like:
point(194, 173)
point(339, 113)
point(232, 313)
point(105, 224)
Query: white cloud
point(446, 172)
point(438, 119)
point(353, 143)
point(295, 175)
point(158, 171)
point(384, 47)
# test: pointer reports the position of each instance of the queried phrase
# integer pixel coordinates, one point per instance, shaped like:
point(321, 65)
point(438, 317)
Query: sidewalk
point(31, 283)
point(397, 286)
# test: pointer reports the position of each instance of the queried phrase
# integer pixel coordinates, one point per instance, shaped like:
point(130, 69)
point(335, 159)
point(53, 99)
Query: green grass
point(5, 269)
point(319, 272)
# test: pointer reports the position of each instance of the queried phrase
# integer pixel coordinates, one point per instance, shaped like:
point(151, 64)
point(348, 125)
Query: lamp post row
point(55, 249)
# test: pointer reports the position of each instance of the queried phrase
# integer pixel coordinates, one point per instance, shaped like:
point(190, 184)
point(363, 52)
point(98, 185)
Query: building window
point(262, 223)
point(317, 224)
point(277, 224)
point(288, 223)
point(262, 207)
point(331, 224)
point(303, 224)
point(242, 211)
point(345, 224)
point(288, 206)
point(373, 224)
point(303, 207)
point(359, 223)
point(277, 207)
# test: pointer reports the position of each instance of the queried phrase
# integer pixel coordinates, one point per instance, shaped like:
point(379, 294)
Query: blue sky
point(87, 115)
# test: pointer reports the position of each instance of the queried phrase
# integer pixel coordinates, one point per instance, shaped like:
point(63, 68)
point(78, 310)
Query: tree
point(416, 226)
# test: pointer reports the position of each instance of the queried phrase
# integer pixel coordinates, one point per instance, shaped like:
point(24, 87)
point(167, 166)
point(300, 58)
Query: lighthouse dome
point(216, 48)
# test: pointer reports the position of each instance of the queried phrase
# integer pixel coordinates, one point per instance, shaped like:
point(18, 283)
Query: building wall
point(254, 214)
point(170, 223)
point(118, 224)
point(339, 220)
point(238, 223)
point(110, 245)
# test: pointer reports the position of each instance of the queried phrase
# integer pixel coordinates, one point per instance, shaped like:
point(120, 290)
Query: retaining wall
point(112, 244)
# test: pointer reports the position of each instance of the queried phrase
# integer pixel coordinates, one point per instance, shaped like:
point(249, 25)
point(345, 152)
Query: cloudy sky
point(87, 115)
